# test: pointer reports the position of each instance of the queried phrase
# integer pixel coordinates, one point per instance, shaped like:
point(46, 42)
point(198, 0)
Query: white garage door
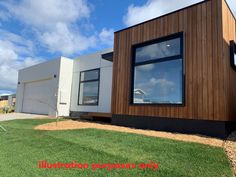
point(38, 97)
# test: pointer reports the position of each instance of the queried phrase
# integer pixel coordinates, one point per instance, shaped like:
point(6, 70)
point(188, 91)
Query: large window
point(89, 87)
point(158, 71)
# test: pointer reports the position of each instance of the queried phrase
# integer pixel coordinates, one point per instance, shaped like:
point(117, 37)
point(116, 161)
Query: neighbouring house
point(173, 73)
point(7, 100)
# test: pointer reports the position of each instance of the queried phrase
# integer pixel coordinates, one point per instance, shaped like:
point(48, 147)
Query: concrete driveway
point(13, 116)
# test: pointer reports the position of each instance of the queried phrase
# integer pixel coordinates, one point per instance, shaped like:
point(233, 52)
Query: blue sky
point(32, 31)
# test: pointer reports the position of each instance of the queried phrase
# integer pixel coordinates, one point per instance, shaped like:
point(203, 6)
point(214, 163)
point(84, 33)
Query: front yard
point(21, 148)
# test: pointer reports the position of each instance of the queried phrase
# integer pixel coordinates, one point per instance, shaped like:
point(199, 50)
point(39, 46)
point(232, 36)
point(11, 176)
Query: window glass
point(89, 93)
point(159, 50)
point(89, 75)
point(158, 83)
point(234, 59)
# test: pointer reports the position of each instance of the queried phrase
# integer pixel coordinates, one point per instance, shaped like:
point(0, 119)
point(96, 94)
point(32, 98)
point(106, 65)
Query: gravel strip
point(230, 148)
point(70, 124)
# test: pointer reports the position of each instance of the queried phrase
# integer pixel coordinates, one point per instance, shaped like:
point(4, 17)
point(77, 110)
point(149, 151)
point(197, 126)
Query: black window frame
point(87, 81)
point(232, 53)
point(158, 60)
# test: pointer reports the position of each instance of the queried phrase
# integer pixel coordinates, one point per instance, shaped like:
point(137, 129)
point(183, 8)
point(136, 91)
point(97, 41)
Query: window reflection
point(158, 72)
point(89, 75)
point(158, 82)
point(158, 50)
point(89, 93)
point(89, 87)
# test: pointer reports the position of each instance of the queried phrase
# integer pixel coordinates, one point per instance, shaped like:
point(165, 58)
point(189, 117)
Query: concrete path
point(12, 116)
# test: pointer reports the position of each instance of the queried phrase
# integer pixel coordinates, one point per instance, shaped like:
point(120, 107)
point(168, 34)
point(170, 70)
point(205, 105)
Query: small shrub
point(11, 109)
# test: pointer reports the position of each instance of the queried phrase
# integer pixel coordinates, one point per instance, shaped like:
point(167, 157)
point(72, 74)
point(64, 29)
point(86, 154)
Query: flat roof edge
point(205, 1)
point(43, 62)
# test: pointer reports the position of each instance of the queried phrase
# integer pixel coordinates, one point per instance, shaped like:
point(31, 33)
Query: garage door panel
point(38, 97)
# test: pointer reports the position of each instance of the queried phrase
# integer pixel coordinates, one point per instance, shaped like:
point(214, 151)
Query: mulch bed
point(70, 124)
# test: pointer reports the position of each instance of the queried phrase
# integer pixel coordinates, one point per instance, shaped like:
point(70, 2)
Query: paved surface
point(13, 116)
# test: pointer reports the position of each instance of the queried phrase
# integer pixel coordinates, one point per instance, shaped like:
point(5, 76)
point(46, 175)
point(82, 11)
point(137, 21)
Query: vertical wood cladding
point(229, 33)
point(210, 82)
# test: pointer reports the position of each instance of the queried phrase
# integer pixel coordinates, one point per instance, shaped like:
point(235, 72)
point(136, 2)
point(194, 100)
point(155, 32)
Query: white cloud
point(66, 41)
point(147, 67)
point(12, 50)
point(55, 23)
point(162, 82)
point(152, 9)
point(58, 24)
point(22, 45)
point(106, 36)
point(47, 14)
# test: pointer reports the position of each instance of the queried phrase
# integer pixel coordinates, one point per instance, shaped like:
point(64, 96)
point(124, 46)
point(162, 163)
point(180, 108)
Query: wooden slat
point(215, 61)
point(229, 33)
point(209, 62)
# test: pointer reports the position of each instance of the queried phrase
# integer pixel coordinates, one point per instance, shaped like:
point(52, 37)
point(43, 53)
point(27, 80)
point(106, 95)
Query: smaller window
point(233, 54)
point(89, 87)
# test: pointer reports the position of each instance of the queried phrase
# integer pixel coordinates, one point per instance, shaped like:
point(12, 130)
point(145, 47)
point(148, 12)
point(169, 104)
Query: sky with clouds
point(33, 31)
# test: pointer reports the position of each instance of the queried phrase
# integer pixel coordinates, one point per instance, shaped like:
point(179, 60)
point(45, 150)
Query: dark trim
point(108, 56)
point(133, 64)
point(162, 16)
point(212, 128)
point(176, 57)
point(232, 53)
point(86, 81)
point(159, 40)
point(77, 114)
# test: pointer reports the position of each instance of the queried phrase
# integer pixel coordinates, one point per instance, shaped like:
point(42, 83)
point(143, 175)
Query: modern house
point(63, 86)
point(174, 73)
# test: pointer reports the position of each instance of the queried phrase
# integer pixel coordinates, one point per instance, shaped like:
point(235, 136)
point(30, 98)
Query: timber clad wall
point(229, 33)
point(210, 82)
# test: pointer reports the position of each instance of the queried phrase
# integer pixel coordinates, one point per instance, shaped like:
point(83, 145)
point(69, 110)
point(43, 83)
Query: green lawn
point(21, 148)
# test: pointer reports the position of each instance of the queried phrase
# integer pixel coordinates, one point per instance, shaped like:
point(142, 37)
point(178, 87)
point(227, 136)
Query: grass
point(21, 148)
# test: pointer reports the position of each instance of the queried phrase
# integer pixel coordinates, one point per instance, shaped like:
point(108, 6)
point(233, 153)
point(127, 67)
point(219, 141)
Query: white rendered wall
point(46, 71)
point(89, 62)
point(65, 82)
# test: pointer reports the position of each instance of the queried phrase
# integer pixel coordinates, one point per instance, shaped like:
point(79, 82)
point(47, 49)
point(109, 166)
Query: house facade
point(63, 86)
point(172, 73)
point(181, 61)
point(92, 84)
point(45, 88)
